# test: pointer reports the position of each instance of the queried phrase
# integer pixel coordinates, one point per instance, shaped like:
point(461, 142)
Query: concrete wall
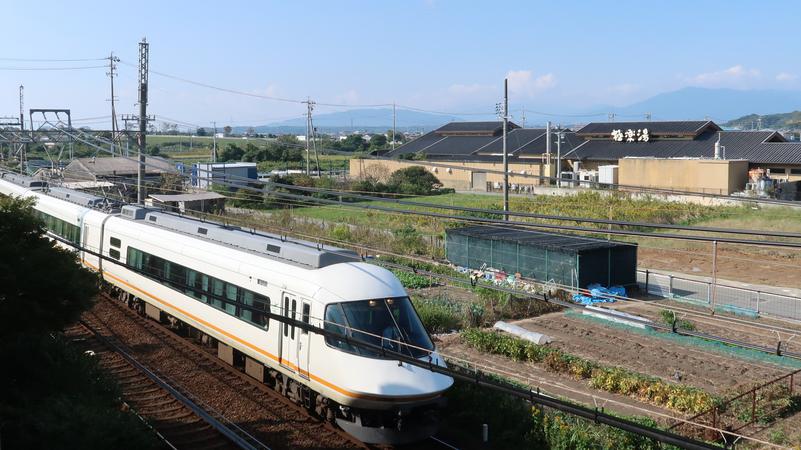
point(708, 176)
point(460, 176)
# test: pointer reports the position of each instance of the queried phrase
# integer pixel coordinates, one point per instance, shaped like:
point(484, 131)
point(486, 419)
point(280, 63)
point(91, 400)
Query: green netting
point(511, 257)
point(717, 347)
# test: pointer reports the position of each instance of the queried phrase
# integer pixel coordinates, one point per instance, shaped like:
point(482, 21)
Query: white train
point(218, 281)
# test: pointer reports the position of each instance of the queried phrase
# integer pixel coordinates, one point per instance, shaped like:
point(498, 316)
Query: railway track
point(269, 408)
point(177, 419)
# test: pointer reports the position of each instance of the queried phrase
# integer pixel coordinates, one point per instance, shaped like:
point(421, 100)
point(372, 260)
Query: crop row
point(617, 380)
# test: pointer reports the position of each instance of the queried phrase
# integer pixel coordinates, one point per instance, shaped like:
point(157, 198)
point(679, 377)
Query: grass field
point(591, 205)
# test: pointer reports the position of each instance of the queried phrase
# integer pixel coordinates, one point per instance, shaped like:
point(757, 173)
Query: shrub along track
point(267, 415)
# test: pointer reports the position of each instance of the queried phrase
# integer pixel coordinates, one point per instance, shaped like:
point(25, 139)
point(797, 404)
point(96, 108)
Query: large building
point(204, 175)
point(678, 155)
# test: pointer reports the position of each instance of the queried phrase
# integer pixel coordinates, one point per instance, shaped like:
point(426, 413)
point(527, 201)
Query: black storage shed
point(566, 259)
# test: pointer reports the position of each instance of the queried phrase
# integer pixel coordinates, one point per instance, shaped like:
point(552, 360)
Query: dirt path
point(773, 269)
point(707, 370)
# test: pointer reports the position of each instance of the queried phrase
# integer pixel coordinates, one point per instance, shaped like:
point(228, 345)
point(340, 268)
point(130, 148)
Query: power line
point(52, 60)
point(53, 68)
point(517, 224)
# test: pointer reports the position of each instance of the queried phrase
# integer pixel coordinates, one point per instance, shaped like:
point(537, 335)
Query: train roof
point(73, 196)
point(304, 253)
point(294, 251)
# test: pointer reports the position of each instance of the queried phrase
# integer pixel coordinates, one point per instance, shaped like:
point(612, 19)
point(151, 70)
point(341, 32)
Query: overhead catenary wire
point(705, 336)
point(338, 192)
point(475, 377)
point(490, 221)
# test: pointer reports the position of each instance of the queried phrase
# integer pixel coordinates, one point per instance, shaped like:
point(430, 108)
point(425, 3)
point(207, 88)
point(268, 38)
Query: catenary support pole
point(505, 154)
point(144, 50)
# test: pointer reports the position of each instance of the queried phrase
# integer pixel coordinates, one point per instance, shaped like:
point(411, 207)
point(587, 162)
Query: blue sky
point(436, 54)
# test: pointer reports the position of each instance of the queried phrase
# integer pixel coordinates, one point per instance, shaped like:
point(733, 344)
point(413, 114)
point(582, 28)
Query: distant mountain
point(717, 104)
point(693, 103)
point(379, 119)
point(782, 121)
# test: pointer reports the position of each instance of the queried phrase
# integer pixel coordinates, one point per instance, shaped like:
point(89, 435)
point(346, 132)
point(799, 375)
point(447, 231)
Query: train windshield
point(391, 323)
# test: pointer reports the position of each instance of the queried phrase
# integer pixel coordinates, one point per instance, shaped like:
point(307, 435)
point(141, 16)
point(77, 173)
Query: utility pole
point(559, 135)
point(548, 150)
point(214, 143)
point(393, 126)
point(308, 130)
point(144, 51)
point(505, 112)
point(112, 68)
point(22, 108)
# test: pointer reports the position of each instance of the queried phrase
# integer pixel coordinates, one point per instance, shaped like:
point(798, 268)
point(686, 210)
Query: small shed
point(196, 201)
point(565, 259)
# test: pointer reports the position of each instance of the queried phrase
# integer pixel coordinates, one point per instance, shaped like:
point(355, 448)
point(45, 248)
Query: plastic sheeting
point(523, 333)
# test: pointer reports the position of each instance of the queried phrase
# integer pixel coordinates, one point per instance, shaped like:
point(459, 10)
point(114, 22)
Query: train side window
point(115, 242)
point(306, 309)
point(217, 287)
point(114, 253)
point(294, 317)
point(134, 258)
point(263, 303)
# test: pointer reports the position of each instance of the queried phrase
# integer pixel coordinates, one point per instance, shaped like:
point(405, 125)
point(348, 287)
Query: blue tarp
point(599, 294)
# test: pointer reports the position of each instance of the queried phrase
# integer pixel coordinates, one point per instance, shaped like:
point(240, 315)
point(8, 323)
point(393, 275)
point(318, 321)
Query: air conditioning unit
point(568, 179)
point(588, 178)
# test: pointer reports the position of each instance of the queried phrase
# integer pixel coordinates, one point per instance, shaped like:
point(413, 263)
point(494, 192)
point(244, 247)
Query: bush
point(411, 280)
point(513, 423)
point(415, 180)
point(611, 379)
point(669, 318)
point(437, 316)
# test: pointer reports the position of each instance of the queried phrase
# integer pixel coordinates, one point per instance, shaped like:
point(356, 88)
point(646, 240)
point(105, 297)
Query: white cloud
point(734, 75)
point(624, 89)
point(469, 89)
point(269, 91)
point(785, 76)
point(349, 97)
point(525, 83)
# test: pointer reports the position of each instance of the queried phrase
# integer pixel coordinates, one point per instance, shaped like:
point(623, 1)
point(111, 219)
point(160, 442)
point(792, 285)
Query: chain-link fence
point(737, 300)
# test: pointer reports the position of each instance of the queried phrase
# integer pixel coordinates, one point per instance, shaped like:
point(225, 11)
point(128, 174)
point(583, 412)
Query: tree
point(232, 152)
point(414, 180)
point(201, 132)
point(398, 137)
point(353, 143)
point(41, 287)
point(378, 141)
point(227, 130)
point(53, 389)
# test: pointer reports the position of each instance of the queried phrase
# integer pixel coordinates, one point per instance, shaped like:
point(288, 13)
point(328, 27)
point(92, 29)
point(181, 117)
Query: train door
point(303, 340)
point(89, 241)
point(289, 341)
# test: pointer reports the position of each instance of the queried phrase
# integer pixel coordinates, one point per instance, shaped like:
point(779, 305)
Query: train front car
point(378, 399)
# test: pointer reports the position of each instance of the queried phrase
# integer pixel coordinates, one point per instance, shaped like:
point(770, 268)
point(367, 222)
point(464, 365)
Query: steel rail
point(476, 377)
point(240, 437)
